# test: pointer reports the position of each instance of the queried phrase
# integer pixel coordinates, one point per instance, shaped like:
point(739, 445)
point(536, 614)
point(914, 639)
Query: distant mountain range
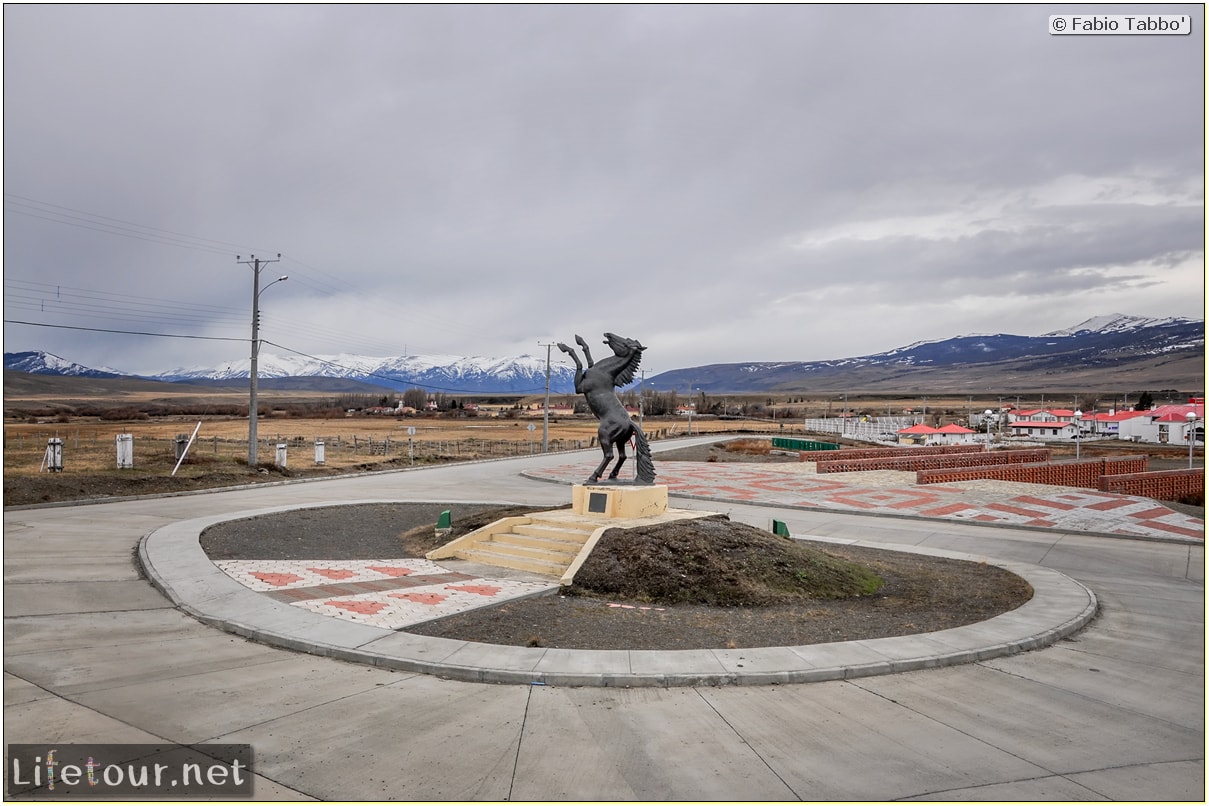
point(40, 363)
point(444, 373)
point(1114, 351)
point(524, 374)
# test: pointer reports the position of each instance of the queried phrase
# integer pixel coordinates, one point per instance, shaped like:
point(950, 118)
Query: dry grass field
point(89, 445)
point(87, 415)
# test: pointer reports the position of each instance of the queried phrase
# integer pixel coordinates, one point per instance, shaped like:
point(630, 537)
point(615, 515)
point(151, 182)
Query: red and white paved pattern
point(795, 484)
point(390, 593)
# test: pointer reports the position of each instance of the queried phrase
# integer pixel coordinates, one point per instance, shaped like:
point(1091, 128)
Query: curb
point(174, 562)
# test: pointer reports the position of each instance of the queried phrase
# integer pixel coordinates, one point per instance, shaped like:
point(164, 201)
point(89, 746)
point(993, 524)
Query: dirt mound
point(714, 561)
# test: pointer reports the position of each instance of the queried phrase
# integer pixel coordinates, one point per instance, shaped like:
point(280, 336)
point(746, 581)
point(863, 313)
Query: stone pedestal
point(618, 500)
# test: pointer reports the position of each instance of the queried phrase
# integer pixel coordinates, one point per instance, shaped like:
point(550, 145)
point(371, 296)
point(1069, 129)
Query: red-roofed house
point(1049, 424)
point(1166, 424)
point(1043, 429)
point(919, 435)
point(1107, 424)
point(1043, 415)
point(954, 434)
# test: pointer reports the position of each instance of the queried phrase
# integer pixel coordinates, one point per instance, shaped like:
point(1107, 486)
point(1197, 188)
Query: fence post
point(53, 459)
point(125, 448)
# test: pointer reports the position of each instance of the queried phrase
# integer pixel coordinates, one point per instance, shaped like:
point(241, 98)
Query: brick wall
point(1085, 473)
point(1163, 485)
point(933, 461)
point(880, 453)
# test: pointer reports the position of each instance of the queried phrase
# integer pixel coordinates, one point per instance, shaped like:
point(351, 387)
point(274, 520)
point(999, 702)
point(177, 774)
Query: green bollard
point(444, 523)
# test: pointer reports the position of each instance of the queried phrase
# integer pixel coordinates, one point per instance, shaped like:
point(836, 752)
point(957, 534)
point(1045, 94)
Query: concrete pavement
point(1116, 711)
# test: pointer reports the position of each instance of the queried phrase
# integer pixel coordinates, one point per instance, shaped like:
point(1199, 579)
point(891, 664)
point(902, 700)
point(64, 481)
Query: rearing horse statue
point(596, 383)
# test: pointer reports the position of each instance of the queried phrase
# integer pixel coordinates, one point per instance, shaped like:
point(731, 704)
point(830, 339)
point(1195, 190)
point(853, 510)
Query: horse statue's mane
point(625, 375)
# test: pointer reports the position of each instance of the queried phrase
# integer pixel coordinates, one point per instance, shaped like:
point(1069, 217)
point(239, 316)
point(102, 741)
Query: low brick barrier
point(1163, 485)
point(935, 461)
point(1078, 473)
point(879, 453)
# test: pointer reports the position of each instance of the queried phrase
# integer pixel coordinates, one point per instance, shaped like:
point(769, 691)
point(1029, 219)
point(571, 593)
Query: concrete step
point(538, 543)
point(543, 546)
point(530, 564)
point(504, 545)
point(548, 540)
point(555, 531)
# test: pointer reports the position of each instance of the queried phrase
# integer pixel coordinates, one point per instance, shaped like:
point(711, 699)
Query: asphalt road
point(92, 653)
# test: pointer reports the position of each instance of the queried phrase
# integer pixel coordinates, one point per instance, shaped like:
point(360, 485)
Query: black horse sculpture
point(596, 383)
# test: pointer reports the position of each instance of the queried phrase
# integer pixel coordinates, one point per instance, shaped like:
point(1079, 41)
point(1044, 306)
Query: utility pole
point(255, 263)
point(641, 392)
point(546, 413)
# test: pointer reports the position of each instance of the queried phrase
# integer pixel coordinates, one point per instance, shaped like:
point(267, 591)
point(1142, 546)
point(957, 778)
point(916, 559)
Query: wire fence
point(92, 449)
point(866, 429)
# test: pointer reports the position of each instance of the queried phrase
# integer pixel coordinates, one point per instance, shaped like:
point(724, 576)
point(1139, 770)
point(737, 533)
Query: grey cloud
point(467, 172)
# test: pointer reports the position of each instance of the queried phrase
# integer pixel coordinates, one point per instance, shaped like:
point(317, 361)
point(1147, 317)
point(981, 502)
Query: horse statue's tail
point(646, 466)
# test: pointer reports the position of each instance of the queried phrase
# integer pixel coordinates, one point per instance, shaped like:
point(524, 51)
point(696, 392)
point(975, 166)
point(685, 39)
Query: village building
point(919, 435)
point(954, 434)
point(1106, 425)
point(1166, 425)
point(1044, 429)
point(1042, 416)
point(1160, 425)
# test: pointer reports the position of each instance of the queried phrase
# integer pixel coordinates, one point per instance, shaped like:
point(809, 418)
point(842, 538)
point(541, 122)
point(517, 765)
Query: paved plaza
point(889, 492)
point(95, 653)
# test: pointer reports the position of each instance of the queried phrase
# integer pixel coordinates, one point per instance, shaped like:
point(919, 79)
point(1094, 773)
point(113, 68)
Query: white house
point(1043, 429)
point(953, 434)
point(1107, 425)
point(1166, 425)
point(919, 435)
point(1042, 415)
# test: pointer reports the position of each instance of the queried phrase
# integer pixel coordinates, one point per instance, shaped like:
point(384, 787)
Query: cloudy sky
point(723, 183)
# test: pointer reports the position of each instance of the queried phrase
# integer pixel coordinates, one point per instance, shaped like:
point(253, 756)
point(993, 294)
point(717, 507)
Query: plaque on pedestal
point(619, 500)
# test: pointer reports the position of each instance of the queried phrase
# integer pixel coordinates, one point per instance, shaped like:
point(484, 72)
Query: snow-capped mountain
point(1112, 342)
point(524, 374)
point(41, 363)
point(1114, 345)
point(1118, 323)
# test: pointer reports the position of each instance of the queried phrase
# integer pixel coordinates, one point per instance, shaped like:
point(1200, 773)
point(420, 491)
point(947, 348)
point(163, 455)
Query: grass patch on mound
point(714, 561)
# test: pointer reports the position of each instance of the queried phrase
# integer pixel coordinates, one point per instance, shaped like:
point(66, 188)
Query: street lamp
point(1191, 418)
point(1078, 431)
point(986, 415)
point(256, 263)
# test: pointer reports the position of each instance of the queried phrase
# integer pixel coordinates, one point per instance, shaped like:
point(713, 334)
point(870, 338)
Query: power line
point(70, 214)
point(75, 309)
point(303, 273)
point(88, 293)
point(123, 332)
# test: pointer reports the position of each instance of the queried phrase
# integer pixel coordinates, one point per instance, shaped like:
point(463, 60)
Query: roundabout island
point(355, 599)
